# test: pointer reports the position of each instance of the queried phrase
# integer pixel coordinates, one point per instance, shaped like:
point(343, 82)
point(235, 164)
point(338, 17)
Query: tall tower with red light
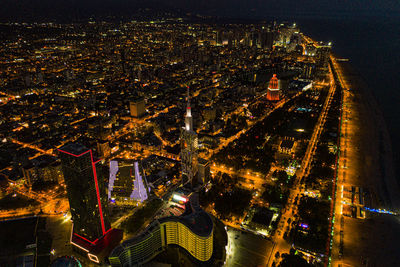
point(189, 147)
point(274, 88)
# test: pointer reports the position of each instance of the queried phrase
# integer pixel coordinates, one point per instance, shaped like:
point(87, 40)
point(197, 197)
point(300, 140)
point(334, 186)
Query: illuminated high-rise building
point(274, 88)
point(91, 230)
point(189, 147)
point(322, 56)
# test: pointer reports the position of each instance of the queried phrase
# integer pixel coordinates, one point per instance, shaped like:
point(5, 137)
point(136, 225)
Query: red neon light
point(274, 83)
point(108, 231)
point(98, 193)
point(97, 187)
point(91, 242)
point(69, 153)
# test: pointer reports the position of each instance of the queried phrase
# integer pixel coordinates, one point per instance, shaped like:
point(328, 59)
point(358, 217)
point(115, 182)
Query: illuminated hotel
point(274, 88)
point(91, 233)
point(192, 231)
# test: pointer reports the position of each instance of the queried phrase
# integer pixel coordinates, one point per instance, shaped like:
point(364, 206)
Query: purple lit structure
point(126, 186)
point(139, 192)
point(113, 177)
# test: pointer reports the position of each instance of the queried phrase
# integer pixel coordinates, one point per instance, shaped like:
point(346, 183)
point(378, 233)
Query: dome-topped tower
point(274, 88)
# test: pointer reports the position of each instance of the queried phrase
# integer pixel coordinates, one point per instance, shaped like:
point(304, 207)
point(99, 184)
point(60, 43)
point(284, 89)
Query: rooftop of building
point(136, 99)
point(274, 82)
point(123, 185)
point(263, 216)
point(74, 148)
point(203, 161)
point(41, 161)
point(195, 218)
point(287, 143)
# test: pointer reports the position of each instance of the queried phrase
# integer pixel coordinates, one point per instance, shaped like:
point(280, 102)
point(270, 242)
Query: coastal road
point(357, 242)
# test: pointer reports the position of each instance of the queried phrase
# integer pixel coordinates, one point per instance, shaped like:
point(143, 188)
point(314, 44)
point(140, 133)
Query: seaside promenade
point(365, 161)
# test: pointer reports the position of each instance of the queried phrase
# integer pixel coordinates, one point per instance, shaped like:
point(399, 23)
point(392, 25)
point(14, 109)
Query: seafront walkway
point(364, 162)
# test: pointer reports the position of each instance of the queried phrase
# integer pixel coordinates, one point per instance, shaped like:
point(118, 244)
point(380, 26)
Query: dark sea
point(373, 47)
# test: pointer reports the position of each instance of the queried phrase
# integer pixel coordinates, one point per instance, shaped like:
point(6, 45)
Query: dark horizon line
point(203, 18)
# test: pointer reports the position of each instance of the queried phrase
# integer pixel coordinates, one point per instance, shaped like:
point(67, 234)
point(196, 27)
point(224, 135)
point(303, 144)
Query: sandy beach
point(366, 161)
point(375, 166)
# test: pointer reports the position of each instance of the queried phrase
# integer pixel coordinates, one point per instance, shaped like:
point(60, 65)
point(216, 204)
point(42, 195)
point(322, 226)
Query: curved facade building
point(192, 231)
point(274, 88)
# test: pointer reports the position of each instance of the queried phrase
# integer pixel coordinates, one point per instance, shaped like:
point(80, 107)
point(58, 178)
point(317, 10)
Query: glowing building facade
point(274, 88)
point(139, 192)
point(192, 231)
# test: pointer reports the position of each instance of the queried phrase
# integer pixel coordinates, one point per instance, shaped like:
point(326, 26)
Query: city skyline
point(227, 8)
point(190, 141)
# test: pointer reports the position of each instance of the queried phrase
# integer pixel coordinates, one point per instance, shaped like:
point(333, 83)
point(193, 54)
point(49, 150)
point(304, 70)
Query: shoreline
point(376, 169)
point(365, 161)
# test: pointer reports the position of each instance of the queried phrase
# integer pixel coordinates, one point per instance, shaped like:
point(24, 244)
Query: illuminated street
point(282, 246)
point(351, 247)
point(143, 134)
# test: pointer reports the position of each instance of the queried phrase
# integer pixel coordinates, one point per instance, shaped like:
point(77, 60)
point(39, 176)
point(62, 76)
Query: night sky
point(15, 10)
